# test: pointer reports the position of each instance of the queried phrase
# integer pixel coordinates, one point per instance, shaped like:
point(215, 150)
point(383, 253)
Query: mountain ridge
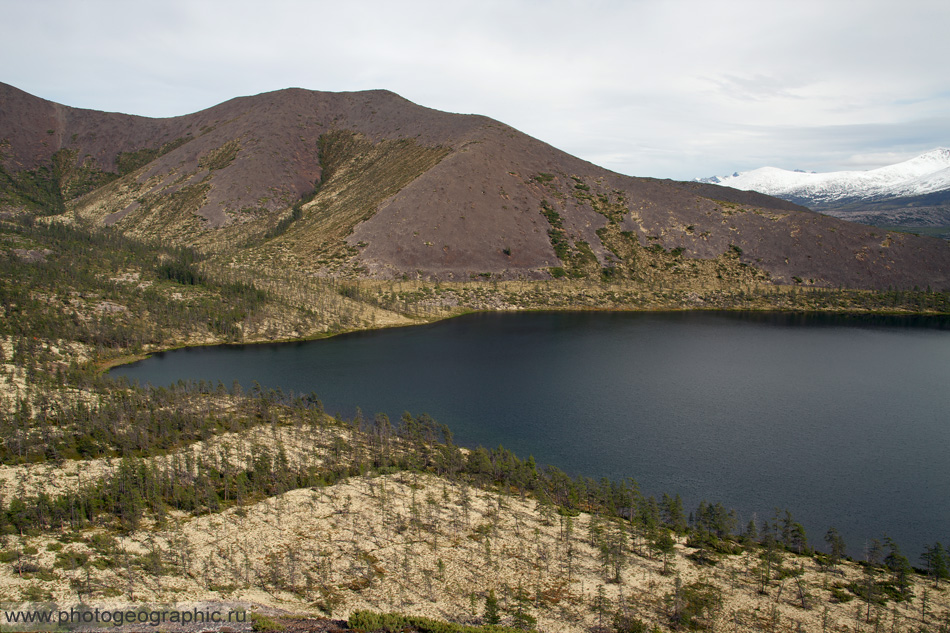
point(913, 195)
point(368, 184)
point(921, 175)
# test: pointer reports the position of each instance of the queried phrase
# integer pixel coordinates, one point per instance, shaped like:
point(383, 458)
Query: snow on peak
point(927, 173)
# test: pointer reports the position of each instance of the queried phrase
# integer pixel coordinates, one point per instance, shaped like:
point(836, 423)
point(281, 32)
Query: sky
point(670, 89)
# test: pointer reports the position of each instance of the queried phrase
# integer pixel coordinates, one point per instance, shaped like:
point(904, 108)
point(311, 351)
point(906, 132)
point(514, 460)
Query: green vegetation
point(37, 189)
point(357, 175)
point(578, 258)
point(295, 214)
point(694, 606)
point(264, 624)
point(45, 190)
point(128, 162)
point(556, 233)
point(369, 621)
point(221, 157)
point(99, 288)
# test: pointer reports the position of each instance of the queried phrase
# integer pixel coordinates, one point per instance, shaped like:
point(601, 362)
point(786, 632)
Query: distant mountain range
point(370, 185)
point(915, 192)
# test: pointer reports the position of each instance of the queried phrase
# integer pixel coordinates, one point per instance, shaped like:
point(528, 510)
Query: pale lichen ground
point(422, 545)
point(302, 445)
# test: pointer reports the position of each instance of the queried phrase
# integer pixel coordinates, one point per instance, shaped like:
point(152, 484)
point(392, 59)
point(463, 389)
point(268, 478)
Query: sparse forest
point(112, 491)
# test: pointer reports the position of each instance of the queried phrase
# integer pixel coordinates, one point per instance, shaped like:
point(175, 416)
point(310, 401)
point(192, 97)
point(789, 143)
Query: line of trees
point(141, 423)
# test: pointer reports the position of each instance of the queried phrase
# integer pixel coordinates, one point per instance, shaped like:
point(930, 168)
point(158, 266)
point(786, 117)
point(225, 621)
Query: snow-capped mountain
point(926, 174)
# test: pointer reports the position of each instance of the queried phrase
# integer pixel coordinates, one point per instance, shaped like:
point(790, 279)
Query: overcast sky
point(672, 89)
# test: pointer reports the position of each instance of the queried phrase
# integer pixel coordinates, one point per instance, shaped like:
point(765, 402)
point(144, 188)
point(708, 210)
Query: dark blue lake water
point(845, 421)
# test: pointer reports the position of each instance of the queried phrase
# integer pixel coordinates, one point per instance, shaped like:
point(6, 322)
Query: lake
point(844, 421)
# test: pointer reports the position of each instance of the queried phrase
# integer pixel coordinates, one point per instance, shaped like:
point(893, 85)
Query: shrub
point(370, 621)
point(629, 624)
point(694, 605)
point(263, 623)
point(71, 559)
point(840, 595)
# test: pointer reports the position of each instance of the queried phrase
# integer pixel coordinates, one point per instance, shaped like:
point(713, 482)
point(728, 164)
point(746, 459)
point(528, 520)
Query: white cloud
point(668, 89)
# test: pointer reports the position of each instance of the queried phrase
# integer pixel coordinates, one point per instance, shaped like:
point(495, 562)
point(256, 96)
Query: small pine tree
point(836, 546)
point(601, 606)
point(521, 618)
point(899, 566)
point(935, 558)
point(491, 615)
point(751, 533)
point(663, 545)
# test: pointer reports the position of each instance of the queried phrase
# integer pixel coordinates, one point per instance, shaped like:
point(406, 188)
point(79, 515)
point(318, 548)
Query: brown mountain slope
point(369, 184)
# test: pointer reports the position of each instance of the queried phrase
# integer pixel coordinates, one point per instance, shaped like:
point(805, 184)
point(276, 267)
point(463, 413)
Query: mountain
point(915, 192)
point(370, 185)
point(926, 174)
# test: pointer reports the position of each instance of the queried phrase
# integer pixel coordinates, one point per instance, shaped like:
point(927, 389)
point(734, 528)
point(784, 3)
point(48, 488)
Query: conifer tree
point(663, 545)
point(898, 565)
point(836, 546)
point(673, 516)
point(491, 615)
point(751, 532)
point(935, 559)
point(521, 617)
point(872, 558)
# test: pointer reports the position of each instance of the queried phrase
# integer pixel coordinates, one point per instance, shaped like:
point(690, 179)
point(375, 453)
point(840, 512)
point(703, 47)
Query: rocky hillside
point(370, 185)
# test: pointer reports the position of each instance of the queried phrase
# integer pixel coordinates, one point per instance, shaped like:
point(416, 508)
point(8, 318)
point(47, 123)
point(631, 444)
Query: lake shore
point(432, 302)
point(680, 399)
